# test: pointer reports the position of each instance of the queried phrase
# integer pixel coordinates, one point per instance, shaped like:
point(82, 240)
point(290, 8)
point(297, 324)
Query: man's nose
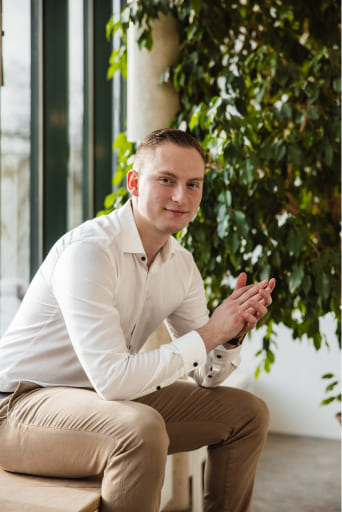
point(178, 194)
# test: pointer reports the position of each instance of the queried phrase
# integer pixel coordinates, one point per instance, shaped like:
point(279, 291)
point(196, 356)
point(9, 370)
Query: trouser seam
point(16, 423)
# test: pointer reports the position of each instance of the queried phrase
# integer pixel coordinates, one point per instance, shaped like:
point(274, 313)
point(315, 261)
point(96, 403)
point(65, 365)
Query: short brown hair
point(164, 135)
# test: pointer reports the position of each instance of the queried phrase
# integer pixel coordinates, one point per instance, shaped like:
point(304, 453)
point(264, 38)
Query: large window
point(15, 141)
point(57, 125)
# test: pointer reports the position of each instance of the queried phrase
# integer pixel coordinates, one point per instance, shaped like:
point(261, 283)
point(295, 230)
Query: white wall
point(294, 389)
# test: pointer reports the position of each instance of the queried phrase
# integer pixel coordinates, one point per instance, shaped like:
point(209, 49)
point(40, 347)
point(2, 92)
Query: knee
point(260, 414)
point(145, 428)
point(152, 439)
point(151, 429)
point(141, 433)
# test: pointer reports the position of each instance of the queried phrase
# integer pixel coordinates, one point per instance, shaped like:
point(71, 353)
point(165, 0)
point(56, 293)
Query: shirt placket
point(132, 343)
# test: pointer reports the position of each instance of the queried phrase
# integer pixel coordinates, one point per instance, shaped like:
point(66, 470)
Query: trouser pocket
point(6, 403)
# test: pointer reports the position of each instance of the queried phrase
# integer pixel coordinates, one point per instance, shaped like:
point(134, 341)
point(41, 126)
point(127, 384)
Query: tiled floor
point(298, 474)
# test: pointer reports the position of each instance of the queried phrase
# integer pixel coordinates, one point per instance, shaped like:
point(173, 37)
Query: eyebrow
point(172, 175)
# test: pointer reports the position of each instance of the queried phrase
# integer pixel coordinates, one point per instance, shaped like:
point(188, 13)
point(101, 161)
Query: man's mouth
point(177, 213)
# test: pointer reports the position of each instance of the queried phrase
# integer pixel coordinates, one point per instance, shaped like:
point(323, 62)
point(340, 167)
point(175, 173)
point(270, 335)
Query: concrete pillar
point(150, 106)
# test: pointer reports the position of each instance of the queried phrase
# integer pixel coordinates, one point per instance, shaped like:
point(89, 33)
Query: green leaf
point(276, 259)
point(111, 27)
point(120, 141)
point(240, 221)
point(307, 283)
point(195, 118)
point(270, 356)
point(331, 386)
point(247, 172)
point(322, 285)
point(328, 154)
point(313, 113)
point(295, 242)
point(267, 365)
point(196, 5)
point(328, 376)
point(287, 110)
point(317, 339)
point(223, 227)
point(337, 84)
point(225, 197)
point(118, 177)
point(265, 272)
point(296, 278)
point(327, 401)
point(295, 155)
point(233, 242)
point(109, 200)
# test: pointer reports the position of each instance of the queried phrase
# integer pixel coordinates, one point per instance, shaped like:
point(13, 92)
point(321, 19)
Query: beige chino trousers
point(71, 432)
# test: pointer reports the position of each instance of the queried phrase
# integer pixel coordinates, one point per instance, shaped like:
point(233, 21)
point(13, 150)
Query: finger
point(241, 281)
point(265, 298)
point(257, 308)
point(266, 293)
point(272, 283)
point(260, 307)
point(250, 320)
point(243, 294)
point(251, 317)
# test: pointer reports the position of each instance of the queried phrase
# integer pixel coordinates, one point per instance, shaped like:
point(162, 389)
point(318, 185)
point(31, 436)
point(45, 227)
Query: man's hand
point(239, 313)
point(264, 297)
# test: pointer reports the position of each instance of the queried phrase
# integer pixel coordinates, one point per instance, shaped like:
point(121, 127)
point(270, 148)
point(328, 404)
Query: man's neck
point(152, 241)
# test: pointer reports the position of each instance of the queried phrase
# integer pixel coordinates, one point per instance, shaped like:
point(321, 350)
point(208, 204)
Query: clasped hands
point(239, 313)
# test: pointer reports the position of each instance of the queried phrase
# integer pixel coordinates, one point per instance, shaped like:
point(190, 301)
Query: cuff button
point(195, 363)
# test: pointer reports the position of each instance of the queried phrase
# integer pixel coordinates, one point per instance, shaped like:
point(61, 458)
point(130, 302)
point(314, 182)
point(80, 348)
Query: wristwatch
point(237, 341)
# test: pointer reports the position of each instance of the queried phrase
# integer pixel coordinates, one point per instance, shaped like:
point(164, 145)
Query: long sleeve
point(85, 288)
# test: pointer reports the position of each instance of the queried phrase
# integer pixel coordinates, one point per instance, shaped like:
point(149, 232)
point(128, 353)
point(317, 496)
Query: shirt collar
point(131, 241)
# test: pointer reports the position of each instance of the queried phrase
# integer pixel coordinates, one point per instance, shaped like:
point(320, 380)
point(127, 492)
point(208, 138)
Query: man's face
point(167, 188)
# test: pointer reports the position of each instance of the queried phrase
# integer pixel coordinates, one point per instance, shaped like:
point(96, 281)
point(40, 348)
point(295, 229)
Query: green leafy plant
point(259, 84)
point(331, 387)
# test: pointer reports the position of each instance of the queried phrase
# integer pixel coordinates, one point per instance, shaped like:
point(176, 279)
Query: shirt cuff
point(192, 349)
point(224, 356)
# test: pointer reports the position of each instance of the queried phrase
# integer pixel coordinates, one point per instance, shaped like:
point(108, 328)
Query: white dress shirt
point(91, 307)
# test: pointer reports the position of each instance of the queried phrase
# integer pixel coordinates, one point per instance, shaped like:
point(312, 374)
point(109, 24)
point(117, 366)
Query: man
point(80, 399)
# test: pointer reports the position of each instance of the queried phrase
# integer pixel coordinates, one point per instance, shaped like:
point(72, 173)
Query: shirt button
point(210, 376)
point(143, 258)
point(195, 363)
point(158, 388)
point(218, 356)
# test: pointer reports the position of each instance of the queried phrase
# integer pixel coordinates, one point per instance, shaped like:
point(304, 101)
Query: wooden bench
point(26, 493)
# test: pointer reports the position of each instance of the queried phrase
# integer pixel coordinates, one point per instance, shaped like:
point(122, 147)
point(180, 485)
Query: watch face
point(237, 341)
point(234, 341)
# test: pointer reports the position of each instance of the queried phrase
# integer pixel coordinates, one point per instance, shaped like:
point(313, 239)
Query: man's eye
point(194, 185)
point(165, 180)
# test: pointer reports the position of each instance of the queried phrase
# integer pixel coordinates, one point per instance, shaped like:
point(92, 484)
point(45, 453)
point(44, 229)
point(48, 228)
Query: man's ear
point(132, 182)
